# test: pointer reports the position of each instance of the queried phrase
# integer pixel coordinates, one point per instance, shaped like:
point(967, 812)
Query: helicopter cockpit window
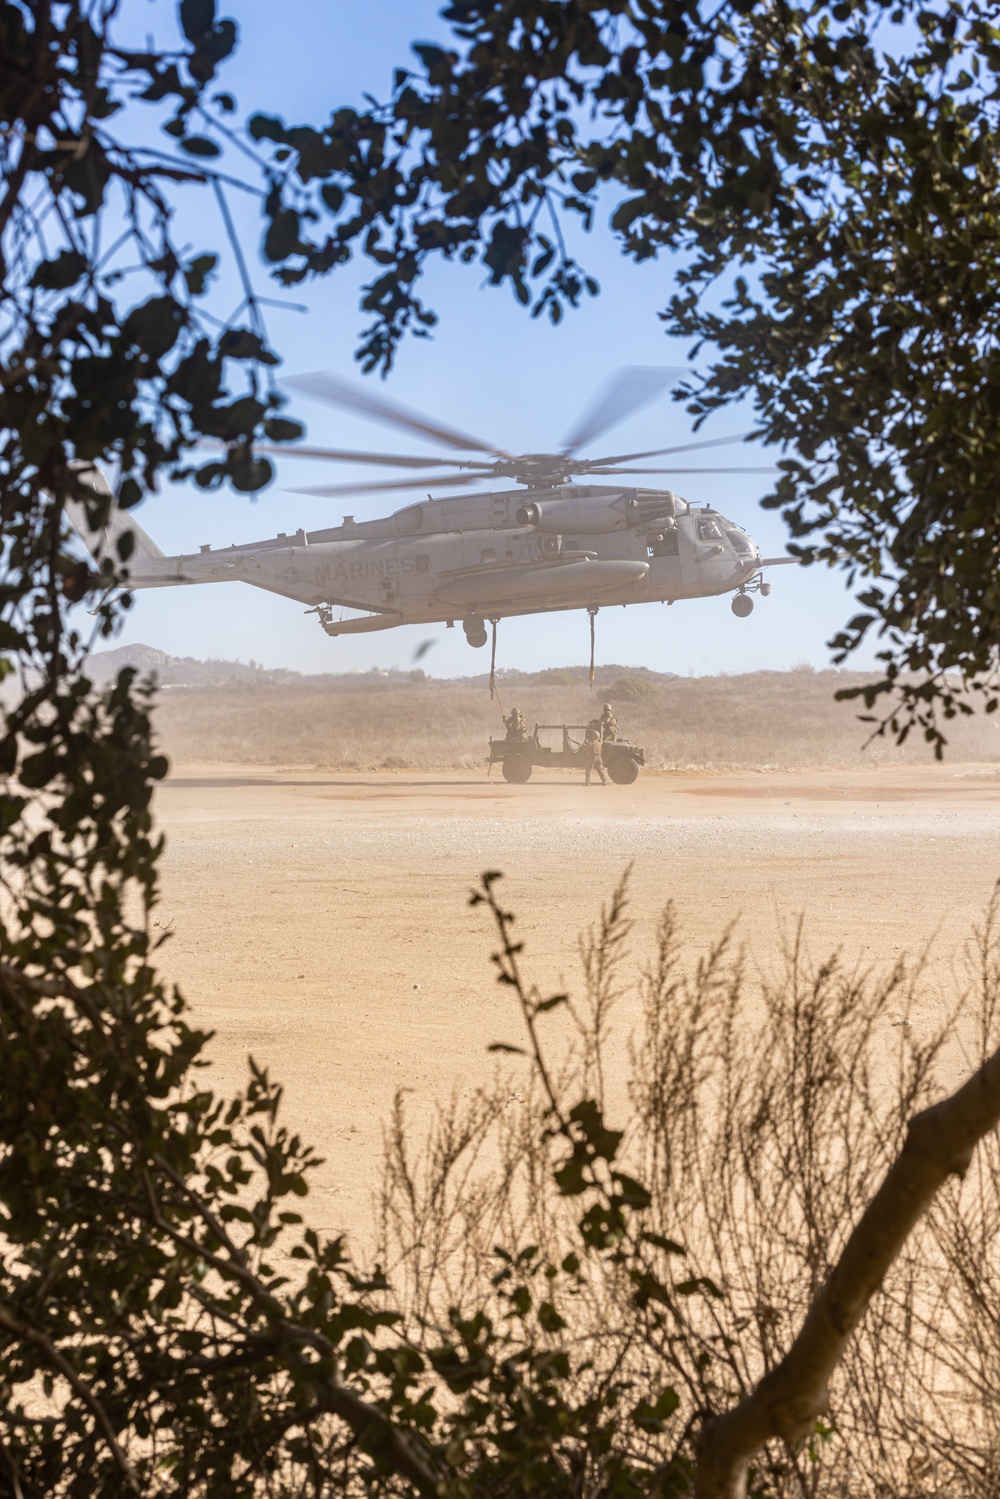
point(408, 522)
point(741, 542)
point(708, 530)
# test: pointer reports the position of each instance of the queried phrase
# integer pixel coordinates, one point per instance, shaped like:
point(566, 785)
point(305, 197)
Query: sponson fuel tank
point(582, 578)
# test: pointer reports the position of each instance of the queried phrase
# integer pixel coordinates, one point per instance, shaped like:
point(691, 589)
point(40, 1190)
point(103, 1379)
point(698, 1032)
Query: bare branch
point(939, 1144)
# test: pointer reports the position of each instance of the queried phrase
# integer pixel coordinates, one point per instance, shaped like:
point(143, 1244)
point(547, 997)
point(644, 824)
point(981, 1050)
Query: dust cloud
point(398, 721)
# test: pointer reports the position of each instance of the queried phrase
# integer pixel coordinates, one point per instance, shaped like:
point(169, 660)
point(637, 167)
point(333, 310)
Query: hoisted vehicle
point(553, 747)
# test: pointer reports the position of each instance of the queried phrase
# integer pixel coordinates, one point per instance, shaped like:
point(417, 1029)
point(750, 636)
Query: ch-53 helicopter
point(553, 544)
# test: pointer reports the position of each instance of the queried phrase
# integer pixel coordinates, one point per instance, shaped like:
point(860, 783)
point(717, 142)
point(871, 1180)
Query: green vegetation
point(556, 676)
point(631, 690)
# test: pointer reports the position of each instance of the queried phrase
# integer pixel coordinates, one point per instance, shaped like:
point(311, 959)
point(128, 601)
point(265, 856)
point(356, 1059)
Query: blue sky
point(490, 369)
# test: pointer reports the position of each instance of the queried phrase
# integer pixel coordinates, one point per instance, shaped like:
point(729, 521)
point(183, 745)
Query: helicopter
point(556, 542)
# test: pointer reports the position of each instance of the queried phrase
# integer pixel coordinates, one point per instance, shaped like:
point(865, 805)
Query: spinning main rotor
point(626, 392)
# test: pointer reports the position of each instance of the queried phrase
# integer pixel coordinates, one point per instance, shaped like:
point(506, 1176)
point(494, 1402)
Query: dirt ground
point(320, 920)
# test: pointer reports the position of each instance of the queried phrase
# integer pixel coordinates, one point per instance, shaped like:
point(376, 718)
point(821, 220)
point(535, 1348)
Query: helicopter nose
point(744, 546)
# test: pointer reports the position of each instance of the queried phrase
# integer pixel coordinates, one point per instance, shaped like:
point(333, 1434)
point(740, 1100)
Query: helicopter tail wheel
point(742, 605)
point(475, 630)
point(517, 769)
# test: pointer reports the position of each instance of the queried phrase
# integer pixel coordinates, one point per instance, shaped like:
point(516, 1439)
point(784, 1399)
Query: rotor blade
point(685, 447)
point(683, 471)
point(339, 393)
point(390, 460)
point(433, 481)
point(624, 393)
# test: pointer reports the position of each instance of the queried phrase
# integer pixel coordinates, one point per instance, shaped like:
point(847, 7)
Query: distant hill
point(104, 665)
point(186, 671)
point(575, 676)
point(180, 671)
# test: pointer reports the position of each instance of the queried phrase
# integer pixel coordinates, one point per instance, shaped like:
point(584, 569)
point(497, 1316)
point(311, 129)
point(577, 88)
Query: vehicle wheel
point(475, 631)
point(517, 769)
point(623, 770)
point(742, 605)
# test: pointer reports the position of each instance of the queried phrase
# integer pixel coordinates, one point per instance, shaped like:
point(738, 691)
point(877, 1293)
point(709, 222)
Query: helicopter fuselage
point(472, 557)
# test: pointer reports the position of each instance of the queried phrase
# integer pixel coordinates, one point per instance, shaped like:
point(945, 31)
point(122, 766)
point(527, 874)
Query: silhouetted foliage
point(148, 1341)
point(168, 1323)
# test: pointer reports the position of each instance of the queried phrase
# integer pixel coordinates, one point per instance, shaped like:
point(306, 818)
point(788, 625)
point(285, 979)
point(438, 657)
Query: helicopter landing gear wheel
point(742, 605)
point(475, 630)
point(517, 769)
point(622, 769)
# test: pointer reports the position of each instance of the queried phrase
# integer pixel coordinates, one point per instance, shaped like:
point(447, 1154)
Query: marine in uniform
point(608, 723)
point(593, 758)
point(517, 729)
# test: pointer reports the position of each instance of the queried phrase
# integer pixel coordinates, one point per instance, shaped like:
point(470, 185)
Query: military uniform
point(608, 723)
point(517, 729)
point(592, 757)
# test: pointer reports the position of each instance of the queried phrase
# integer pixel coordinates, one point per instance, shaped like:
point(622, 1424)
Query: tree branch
point(377, 1432)
point(57, 1362)
point(939, 1143)
point(12, 1472)
point(380, 1436)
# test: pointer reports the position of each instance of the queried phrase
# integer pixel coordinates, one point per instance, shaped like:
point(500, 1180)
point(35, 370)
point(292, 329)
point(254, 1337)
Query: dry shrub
point(761, 1114)
point(775, 720)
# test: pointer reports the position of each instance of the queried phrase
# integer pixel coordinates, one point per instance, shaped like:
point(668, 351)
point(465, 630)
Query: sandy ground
point(320, 920)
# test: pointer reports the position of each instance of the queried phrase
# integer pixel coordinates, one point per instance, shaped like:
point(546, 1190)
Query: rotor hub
point(537, 470)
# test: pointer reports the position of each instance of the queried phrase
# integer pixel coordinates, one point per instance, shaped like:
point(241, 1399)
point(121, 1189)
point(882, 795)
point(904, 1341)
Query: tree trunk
point(789, 1399)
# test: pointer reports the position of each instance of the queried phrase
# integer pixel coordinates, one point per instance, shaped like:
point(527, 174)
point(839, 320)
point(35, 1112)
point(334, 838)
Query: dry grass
point(761, 1111)
point(779, 720)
